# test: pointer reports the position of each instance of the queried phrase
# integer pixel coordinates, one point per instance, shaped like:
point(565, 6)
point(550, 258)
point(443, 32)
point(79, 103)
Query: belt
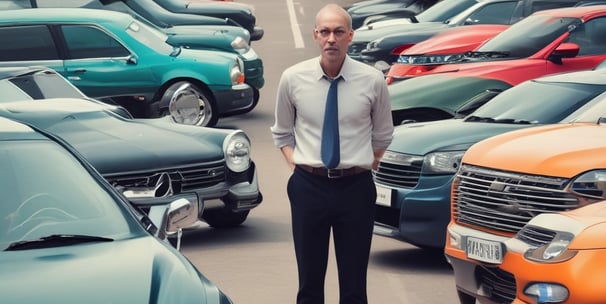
point(332, 173)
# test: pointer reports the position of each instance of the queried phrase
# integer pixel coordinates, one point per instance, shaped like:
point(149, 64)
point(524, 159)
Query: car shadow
point(412, 259)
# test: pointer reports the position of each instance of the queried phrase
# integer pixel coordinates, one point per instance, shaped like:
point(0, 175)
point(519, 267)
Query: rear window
point(25, 43)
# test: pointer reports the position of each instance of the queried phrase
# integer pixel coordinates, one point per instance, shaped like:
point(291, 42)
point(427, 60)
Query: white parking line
point(294, 25)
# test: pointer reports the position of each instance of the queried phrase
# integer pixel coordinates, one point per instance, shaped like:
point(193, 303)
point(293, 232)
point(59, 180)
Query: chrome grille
point(535, 236)
point(398, 170)
point(184, 178)
point(499, 285)
point(506, 201)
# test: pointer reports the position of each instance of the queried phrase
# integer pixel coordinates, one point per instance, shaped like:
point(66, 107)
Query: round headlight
point(236, 148)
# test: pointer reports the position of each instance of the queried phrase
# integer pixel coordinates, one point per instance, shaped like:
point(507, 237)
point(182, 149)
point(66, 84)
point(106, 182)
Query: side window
point(25, 43)
point(497, 13)
point(590, 37)
point(90, 42)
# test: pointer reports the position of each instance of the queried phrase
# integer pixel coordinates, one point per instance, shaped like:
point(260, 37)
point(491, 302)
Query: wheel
point(224, 218)
point(189, 104)
point(465, 298)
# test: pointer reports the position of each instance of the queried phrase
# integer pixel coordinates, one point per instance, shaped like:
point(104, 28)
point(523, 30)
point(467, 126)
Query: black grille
point(536, 236)
point(499, 285)
point(506, 201)
point(398, 170)
point(184, 178)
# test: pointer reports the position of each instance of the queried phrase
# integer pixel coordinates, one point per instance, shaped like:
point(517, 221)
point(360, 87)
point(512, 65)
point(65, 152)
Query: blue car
point(66, 236)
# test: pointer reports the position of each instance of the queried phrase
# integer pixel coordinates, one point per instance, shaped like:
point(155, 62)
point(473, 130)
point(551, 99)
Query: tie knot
point(333, 81)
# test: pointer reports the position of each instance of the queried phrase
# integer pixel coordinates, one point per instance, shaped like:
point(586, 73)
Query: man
point(333, 191)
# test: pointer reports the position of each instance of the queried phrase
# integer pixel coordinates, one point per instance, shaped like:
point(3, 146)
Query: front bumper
point(583, 275)
point(238, 98)
point(419, 215)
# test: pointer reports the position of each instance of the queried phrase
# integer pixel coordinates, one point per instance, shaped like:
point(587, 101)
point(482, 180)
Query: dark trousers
point(346, 206)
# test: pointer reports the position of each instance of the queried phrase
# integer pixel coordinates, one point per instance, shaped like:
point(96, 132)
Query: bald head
point(332, 10)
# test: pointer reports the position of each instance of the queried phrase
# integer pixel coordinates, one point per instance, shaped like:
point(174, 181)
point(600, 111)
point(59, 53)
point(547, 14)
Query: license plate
point(484, 250)
point(383, 196)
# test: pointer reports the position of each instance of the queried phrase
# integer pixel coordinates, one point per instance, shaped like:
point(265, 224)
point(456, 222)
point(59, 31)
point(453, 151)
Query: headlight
point(240, 45)
point(591, 184)
point(555, 251)
point(423, 59)
point(236, 74)
point(442, 162)
point(236, 148)
point(373, 44)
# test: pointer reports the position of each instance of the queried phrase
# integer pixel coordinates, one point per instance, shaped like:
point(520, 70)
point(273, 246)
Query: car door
point(101, 66)
point(29, 45)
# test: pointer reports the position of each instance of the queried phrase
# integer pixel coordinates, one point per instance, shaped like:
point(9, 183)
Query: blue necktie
point(330, 130)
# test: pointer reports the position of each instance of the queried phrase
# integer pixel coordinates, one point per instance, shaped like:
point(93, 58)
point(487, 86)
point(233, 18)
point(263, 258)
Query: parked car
point(532, 40)
point(573, 43)
point(68, 235)
point(111, 56)
point(152, 160)
point(416, 172)
point(241, 13)
point(557, 257)
point(437, 13)
point(388, 46)
point(447, 47)
point(386, 9)
point(508, 179)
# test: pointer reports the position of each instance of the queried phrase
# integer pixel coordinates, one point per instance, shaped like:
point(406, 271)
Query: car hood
point(562, 150)
point(444, 92)
point(368, 33)
point(210, 37)
point(456, 40)
point(139, 270)
point(102, 137)
point(444, 135)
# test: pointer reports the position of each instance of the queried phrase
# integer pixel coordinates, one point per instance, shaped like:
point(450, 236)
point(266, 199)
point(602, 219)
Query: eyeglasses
point(325, 33)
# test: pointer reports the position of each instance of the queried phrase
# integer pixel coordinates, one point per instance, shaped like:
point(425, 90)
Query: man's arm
point(287, 152)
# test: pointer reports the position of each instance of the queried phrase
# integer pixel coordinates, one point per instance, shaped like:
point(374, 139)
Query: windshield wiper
point(493, 54)
point(56, 240)
point(501, 120)
point(479, 118)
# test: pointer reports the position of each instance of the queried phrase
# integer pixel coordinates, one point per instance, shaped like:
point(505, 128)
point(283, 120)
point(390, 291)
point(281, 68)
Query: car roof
point(53, 15)
point(593, 77)
point(13, 130)
point(574, 11)
point(9, 72)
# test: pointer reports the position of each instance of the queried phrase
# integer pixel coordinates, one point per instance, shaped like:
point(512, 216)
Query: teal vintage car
point(114, 57)
point(68, 235)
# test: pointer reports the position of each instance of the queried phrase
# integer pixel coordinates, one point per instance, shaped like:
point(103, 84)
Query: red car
point(448, 46)
point(547, 42)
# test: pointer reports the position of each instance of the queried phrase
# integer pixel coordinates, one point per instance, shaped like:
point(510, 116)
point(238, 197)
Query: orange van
point(503, 183)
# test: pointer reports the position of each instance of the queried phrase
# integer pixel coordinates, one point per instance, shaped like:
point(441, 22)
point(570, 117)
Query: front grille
point(536, 236)
point(356, 48)
point(183, 178)
point(497, 284)
point(398, 170)
point(506, 201)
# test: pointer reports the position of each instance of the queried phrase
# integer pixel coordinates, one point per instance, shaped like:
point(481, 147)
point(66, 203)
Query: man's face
point(333, 35)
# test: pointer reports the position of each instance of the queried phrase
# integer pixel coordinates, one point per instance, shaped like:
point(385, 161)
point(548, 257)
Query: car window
point(38, 201)
point(496, 13)
point(40, 85)
point(444, 10)
point(84, 41)
point(22, 43)
point(590, 36)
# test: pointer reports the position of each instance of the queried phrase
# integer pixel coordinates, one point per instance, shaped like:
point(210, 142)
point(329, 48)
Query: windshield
point(444, 10)
point(46, 191)
point(152, 37)
point(538, 103)
point(529, 35)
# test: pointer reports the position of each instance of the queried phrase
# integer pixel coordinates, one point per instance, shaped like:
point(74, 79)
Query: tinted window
point(498, 13)
point(91, 42)
point(24, 43)
point(591, 37)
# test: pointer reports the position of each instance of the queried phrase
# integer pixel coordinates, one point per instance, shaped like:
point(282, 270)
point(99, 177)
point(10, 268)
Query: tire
point(224, 218)
point(465, 298)
point(208, 113)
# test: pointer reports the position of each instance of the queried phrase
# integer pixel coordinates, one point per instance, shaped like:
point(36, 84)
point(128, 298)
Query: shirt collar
point(344, 73)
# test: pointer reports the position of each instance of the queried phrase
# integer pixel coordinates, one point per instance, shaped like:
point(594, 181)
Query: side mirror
point(132, 59)
point(564, 50)
point(179, 214)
